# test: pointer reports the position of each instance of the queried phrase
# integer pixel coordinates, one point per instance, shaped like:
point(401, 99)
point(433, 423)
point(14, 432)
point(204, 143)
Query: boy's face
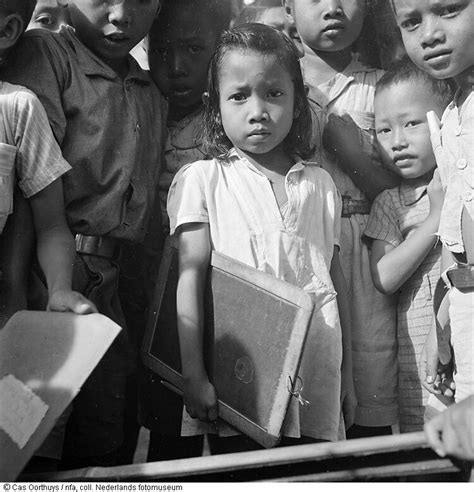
point(438, 35)
point(179, 53)
point(327, 25)
point(111, 28)
point(49, 14)
point(402, 129)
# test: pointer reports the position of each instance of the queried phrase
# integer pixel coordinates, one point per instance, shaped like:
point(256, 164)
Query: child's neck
point(273, 164)
point(465, 82)
point(177, 113)
point(322, 66)
point(119, 66)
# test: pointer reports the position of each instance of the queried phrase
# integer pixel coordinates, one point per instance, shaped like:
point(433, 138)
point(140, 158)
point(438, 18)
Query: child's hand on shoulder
point(70, 301)
point(341, 134)
point(200, 399)
point(435, 194)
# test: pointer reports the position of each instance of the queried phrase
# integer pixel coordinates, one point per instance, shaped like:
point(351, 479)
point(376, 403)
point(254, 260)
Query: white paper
point(21, 411)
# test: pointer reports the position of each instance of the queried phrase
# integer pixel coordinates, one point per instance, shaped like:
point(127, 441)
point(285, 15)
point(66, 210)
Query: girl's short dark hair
point(264, 40)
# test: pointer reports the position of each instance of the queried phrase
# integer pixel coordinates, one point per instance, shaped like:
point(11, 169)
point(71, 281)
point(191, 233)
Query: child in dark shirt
point(108, 117)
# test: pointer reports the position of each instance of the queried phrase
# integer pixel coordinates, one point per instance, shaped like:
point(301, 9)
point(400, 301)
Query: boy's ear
point(10, 30)
point(205, 98)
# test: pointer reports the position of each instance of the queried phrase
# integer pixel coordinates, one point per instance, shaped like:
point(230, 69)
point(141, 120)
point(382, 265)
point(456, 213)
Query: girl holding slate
point(260, 203)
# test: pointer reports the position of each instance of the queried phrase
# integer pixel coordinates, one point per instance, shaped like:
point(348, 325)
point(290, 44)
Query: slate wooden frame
point(270, 300)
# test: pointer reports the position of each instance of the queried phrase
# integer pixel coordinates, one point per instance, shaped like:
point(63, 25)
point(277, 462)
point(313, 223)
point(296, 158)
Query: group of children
point(283, 151)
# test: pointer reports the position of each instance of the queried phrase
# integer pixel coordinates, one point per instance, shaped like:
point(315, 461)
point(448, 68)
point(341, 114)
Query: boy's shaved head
point(24, 8)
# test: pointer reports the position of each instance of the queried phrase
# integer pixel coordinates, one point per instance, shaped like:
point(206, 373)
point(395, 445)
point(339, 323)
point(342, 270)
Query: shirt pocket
point(7, 168)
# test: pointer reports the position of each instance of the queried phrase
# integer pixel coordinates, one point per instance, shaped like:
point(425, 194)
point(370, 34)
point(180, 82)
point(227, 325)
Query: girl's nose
point(431, 32)
point(119, 14)
point(333, 9)
point(258, 111)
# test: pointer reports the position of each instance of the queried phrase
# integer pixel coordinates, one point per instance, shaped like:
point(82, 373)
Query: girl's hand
point(200, 399)
point(70, 301)
point(435, 194)
point(341, 135)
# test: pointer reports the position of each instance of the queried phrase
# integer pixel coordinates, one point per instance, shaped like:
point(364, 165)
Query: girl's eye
point(237, 97)
point(275, 93)
point(410, 24)
point(46, 20)
point(194, 49)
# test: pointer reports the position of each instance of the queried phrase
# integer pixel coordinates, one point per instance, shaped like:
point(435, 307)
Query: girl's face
point(327, 25)
point(438, 35)
point(256, 101)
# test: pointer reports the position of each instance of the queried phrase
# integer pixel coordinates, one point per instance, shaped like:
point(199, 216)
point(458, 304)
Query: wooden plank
point(268, 458)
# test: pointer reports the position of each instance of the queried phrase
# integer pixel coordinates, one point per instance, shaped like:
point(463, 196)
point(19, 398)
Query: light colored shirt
point(245, 222)
point(395, 215)
point(110, 130)
point(29, 154)
point(373, 315)
point(455, 157)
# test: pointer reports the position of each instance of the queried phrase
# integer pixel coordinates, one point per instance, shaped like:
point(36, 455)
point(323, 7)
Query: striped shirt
point(29, 154)
point(395, 214)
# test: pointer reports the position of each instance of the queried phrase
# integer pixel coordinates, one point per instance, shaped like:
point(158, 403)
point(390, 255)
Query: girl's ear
point(10, 30)
point(205, 98)
point(288, 5)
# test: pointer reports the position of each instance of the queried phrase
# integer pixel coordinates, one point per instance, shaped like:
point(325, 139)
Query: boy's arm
point(200, 396)
point(348, 397)
point(343, 137)
point(392, 266)
point(56, 251)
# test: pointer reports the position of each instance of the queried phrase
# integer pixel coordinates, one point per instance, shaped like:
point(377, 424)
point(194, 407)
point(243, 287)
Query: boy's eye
point(413, 123)
point(382, 131)
point(450, 10)
point(194, 49)
point(46, 20)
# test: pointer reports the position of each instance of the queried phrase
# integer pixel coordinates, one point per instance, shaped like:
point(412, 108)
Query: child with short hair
point(271, 13)
point(108, 117)
point(31, 158)
point(260, 203)
point(344, 88)
point(49, 14)
point(439, 39)
point(405, 255)
point(180, 44)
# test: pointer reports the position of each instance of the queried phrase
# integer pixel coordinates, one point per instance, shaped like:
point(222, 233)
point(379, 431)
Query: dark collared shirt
point(110, 130)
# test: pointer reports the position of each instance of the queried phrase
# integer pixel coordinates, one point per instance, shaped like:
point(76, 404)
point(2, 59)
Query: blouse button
point(461, 164)
point(467, 196)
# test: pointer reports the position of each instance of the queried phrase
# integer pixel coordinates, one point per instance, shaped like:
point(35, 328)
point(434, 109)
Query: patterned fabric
point(114, 148)
point(455, 156)
point(245, 223)
point(373, 314)
point(395, 215)
point(28, 150)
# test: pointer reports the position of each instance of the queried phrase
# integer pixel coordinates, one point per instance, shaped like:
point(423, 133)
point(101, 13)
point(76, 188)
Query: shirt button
point(461, 164)
point(291, 181)
point(467, 196)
